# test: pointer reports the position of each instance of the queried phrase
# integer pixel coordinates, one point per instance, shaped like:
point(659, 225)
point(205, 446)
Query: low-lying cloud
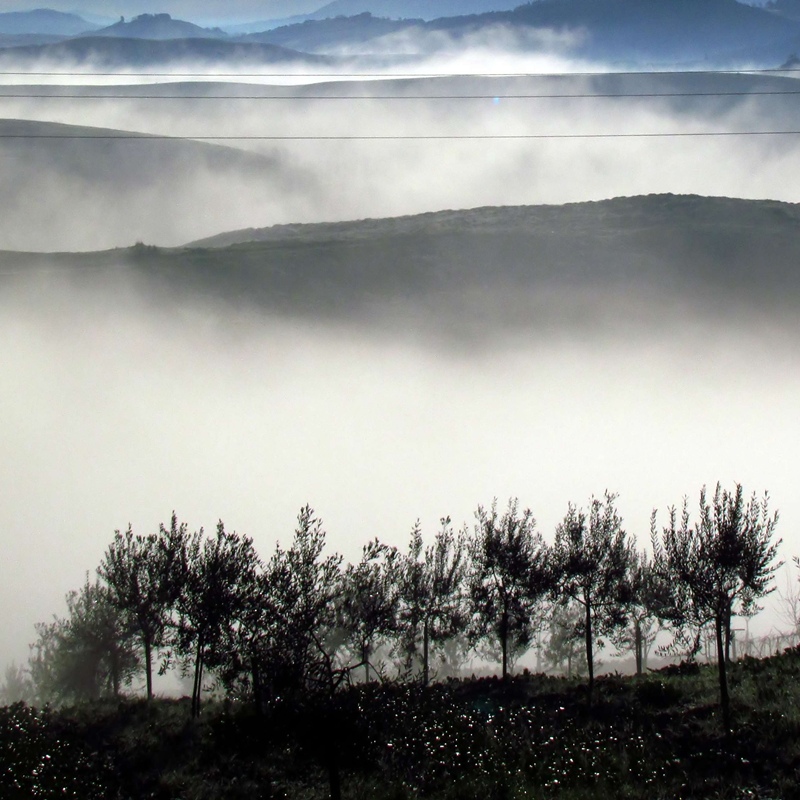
point(119, 409)
point(91, 191)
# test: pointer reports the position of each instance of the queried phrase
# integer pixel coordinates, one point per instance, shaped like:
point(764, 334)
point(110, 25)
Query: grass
point(656, 736)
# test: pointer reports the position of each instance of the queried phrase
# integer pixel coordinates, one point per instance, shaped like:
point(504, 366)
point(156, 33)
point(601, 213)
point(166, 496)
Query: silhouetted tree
point(716, 568)
point(644, 599)
point(509, 573)
point(367, 610)
point(308, 595)
point(432, 602)
point(87, 654)
point(145, 576)
point(222, 572)
point(591, 561)
point(16, 686)
point(565, 642)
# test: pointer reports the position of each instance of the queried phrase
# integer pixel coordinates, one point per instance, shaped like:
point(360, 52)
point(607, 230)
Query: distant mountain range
point(626, 33)
point(44, 21)
point(110, 52)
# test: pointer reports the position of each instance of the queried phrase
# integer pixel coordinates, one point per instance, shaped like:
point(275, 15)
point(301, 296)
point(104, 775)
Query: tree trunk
point(365, 652)
point(728, 634)
point(723, 675)
point(589, 653)
point(334, 778)
point(198, 681)
point(425, 652)
point(637, 639)
point(148, 665)
point(504, 642)
point(256, 677)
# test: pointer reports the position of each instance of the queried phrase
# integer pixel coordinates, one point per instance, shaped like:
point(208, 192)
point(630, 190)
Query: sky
point(119, 409)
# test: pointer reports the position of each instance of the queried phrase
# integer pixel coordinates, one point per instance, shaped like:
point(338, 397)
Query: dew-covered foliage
point(41, 758)
point(534, 736)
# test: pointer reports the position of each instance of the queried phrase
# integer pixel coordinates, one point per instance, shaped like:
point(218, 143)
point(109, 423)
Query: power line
point(493, 97)
point(392, 137)
point(391, 75)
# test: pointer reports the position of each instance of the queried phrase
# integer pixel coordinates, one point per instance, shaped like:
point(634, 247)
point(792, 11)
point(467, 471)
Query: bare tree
point(716, 568)
point(789, 605)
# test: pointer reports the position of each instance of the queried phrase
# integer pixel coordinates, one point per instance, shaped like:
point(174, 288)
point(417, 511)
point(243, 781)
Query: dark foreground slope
point(651, 260)
point(652, 737)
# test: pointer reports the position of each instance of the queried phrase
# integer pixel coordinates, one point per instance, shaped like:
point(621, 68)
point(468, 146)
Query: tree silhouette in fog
point(145, 576)
point(85, 655)
point(432, 607)
point(591, 562)
point(222, 573)
point(718, 567)
point(509, 573)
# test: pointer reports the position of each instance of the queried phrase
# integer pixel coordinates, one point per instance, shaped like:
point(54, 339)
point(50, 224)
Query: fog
point(117, 190)
point(118, 409)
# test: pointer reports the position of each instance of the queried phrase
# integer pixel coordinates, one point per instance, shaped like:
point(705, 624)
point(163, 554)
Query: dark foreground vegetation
point(652, 736)
point(318, 675)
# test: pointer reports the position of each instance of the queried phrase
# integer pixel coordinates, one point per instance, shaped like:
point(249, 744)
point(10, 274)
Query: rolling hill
point(659, 260)
point(111, 52)
point(81, 188)
point(159, 26)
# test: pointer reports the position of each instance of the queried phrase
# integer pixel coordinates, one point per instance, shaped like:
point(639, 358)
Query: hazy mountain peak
point(43, 21)
point(158, 26)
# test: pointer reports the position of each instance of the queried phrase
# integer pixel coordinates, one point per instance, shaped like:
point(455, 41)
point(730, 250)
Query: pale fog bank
point(319, 152)
point(118, 409)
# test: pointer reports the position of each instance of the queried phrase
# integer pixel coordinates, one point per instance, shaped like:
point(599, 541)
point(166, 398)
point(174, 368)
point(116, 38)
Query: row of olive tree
point(302, 621)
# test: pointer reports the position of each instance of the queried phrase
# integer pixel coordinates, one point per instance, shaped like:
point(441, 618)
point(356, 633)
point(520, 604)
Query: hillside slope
point(82, 188)
point(644, 259)
point(159, 26)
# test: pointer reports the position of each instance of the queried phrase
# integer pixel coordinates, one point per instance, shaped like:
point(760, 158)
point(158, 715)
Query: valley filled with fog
point(125, 396)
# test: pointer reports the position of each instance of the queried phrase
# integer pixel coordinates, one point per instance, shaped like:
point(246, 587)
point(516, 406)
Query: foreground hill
point(609, 265)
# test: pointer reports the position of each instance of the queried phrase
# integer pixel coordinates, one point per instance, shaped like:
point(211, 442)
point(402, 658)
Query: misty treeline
point(303, 622)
